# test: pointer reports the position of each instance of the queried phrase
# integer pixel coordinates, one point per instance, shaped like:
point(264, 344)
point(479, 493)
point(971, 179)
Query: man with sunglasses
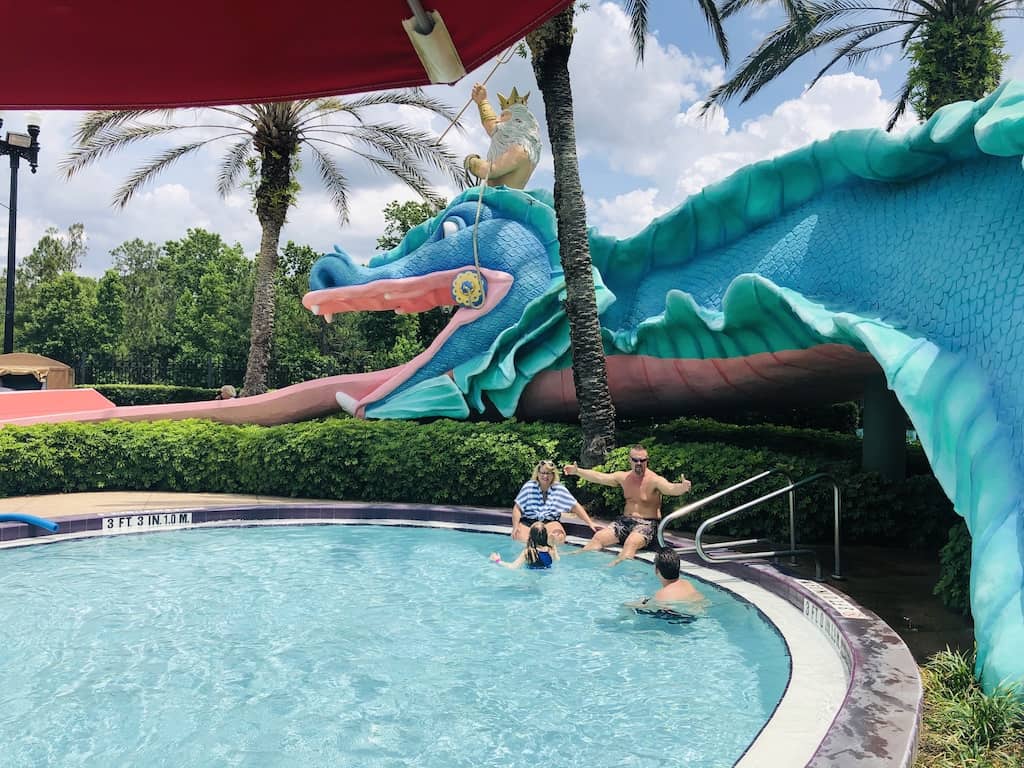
point(643, 489)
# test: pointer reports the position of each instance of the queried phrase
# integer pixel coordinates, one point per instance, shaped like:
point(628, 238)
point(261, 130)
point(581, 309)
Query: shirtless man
point(678, 601)
point(643, 489)
point(673, 589)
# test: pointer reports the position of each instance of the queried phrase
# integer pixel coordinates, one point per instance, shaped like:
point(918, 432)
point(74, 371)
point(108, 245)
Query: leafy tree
point(55, 252)
point(305, 347)
point(147, 309)
point(550, 46)
point(267, 139)
point(61, 323)
point(110, 313)
point(399, 218)
point(212, 285)
point(954, 46)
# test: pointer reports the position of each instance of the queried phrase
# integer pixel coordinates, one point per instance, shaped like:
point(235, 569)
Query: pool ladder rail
point(707, 552)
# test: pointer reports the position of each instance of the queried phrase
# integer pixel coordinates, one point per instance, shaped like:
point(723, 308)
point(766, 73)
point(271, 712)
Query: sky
point(643, 148)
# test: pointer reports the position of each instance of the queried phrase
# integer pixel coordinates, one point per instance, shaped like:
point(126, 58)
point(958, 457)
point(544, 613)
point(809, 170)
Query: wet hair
point(667, 563)
point(546, 465)
point(538, 538)
point(637, 447)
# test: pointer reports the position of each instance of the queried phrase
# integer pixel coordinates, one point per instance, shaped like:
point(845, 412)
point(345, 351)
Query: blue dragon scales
point(905, 251)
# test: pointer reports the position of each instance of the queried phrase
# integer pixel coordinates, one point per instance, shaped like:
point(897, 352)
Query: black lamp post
point(17, 145)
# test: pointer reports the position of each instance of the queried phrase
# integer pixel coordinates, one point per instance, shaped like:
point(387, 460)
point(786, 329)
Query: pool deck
point(873, 725)
point(106, 503)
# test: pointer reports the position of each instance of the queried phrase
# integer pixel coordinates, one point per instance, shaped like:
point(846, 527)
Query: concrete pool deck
point(854, 696)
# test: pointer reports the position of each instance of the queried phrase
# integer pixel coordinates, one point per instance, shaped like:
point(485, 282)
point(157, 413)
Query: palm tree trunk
point(550, 45)
point(273, 196)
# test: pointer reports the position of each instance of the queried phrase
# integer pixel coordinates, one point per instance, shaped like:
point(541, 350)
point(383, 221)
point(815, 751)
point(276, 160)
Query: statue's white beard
point(521, 130)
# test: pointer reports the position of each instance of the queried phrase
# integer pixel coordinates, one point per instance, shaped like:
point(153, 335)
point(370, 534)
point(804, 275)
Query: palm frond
point(99, 121)
point(232, 165)
point(792, 8)
point(901, 105)
point(775, 54)
point(417, 144)
point(637, 12)
point(146, 173)
point(408, 98)
point(106, 140)
point(849, 48)
point(711, 16)
point(333, 180)
point(408, 175)
point(241, 112)
point(802, 34)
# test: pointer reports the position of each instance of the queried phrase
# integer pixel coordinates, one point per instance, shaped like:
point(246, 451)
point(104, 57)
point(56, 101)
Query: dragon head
point(507, 238)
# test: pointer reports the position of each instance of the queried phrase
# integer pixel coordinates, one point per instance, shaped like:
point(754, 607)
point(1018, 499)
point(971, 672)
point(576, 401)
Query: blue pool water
point(364, 646)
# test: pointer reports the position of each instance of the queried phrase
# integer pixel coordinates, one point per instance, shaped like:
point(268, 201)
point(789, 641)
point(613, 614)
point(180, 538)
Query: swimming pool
point(364, 645)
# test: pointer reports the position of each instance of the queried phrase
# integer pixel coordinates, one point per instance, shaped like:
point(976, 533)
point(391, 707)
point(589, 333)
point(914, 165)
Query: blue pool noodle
point(38, 522)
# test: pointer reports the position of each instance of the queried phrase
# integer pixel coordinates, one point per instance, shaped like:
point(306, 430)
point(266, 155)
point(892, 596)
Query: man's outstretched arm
point(591, 475)
point(673, 489)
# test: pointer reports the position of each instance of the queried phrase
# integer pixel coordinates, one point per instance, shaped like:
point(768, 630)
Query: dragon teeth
point(329, 316)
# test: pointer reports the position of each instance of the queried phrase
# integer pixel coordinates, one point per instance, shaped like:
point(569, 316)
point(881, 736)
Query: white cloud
point(628, 213)
point(647, 124)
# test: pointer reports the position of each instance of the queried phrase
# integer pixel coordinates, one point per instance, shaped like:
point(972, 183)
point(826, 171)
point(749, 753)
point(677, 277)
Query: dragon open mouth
point(403, 295)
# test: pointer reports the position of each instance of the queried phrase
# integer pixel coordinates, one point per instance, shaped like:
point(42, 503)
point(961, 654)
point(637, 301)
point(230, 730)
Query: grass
point(962, 727)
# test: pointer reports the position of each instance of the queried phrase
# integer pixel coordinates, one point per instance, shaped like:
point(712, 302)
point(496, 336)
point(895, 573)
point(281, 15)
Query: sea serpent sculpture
point(859, 255)
point(907, 251)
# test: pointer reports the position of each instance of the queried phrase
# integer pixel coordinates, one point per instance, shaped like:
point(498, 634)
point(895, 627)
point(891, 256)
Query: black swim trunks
point(666, 614)
point(623, 526)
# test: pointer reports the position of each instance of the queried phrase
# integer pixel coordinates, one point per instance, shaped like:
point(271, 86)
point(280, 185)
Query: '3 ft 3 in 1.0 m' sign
point(146, 522)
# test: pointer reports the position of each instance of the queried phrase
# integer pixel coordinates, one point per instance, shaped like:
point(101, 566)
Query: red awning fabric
point(111, 54)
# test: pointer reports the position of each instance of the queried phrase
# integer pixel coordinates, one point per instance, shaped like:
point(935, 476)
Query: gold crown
point(513, 98)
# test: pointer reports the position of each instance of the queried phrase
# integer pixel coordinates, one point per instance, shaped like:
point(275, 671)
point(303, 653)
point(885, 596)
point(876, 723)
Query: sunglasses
point(637, 461)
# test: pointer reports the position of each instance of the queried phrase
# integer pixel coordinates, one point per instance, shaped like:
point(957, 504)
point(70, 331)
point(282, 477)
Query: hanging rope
point(503, 59)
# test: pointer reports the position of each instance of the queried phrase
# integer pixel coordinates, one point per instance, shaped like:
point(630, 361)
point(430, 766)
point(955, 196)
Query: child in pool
point(538, 553)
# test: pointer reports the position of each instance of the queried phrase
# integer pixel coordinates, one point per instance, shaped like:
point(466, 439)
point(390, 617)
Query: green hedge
point(151, 394)
point(811, 443)
point(837, 417)
point(451, 462)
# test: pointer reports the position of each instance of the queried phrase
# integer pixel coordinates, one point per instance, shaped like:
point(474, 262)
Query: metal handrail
point(793, 551)
point(693, 506)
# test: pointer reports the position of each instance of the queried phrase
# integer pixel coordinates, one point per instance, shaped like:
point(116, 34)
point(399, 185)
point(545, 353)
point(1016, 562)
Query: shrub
point(449, 462)
point(963, 726)
point(954, 585)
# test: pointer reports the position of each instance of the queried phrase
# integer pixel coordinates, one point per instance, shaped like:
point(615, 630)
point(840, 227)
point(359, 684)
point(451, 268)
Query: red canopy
point(113, 54)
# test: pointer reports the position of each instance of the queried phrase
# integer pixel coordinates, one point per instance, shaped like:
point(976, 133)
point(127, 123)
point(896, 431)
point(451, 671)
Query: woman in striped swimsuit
point(544, 499)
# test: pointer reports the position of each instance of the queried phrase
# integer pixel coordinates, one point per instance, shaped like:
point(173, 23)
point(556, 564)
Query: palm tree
point(550, 46)
point(955, 46)
point(266, 142)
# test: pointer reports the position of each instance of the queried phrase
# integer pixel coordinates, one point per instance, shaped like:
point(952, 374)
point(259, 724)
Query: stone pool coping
point(876, 725)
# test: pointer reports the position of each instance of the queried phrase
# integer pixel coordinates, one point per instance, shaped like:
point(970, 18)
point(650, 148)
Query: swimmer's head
point(666, 563)
point(539, 535)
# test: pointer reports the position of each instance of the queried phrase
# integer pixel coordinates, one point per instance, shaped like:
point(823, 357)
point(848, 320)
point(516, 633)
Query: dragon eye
point(451, 226)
